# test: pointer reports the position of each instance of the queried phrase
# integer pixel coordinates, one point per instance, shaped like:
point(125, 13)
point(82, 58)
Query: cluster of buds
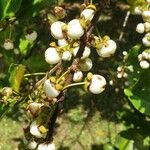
point(121, 73)
point(68, 37)
point(144, 59)
point(141, 28)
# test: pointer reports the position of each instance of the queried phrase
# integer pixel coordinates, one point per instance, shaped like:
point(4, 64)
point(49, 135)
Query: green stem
point(34, 74)
point(74, 84)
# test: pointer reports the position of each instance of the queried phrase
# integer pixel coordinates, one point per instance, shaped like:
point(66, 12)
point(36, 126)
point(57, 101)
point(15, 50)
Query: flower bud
point(97, 84)
point(74, 29)
point(56, 30)
point(137, 11)
point(140, 28)
point(44, 146)
point(146, 15)
point(52, 56)
point(66, 56)
point(147, 26)
point(7, 91)
point(107, 50)
point(50, 89)
point(77, 76)
point(31, 36)
point(86, 52)
point(87, 14)
point(144, 64)
point(8, 44)
point(148, 1)
point(62, 42)
point(146, 40)
point(86, 64)
point(32, 145)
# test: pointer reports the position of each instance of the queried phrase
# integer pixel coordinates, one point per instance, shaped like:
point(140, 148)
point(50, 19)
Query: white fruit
point(86, 52)
point(50, 89)
point(97, 84)
point(137, 11)
point(86, 64)
point(56, 30)
point(87, 14)
point(146, 16)
point(77, 76)
point(52, 56)
point(8, 45)
point(146, 41)
point(62, 42)
point(45, 146)
point(144, 64)
point(66, 56)
point(35, 131)
point(32, 145)
point(140, 28)
point(74, 29)
point(31, 36)
point(147, 26)
point(107, 50)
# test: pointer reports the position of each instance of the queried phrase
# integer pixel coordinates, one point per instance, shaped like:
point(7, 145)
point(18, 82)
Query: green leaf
point(9, 7)
point(24, 46)
point(123, 143)
point(16, 76)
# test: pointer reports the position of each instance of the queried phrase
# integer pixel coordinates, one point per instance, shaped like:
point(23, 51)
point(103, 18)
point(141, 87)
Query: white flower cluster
point(68, 41)
point(144, 57)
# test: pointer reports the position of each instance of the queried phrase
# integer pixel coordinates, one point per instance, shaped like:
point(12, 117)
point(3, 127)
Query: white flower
point(97, 84)
point(77, 76)
point(52, 56)
point(137, 11)
point(144, 64)
point(86, 64)
point(32, 145)
point(87, 13)
point(74, 29)
point(50, 89)
point(31, 36)
point(45, 146)
point(146, 41)
point(66, 56)
point(86, 52)
point(107, 50)
point(140, 28)
point(62, 42)
point(34, 130)
point(146, 15)
point(8, 45)
point(56, 30)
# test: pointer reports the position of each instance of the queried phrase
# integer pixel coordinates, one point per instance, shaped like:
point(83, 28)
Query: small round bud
point(147, 26)
point(31, 36)
point(66, 56)
point(86, 64)
point(45, 146)
point(146, 15)
point(32, 145)
point(7, 91)
point(35, 131)
point(56, 30)
point(97, 84)
point(62, 42)
point(144, 64)
point(146, 41)
point(77, 76)
point(59, 12)
point(8, 44)
point(148, 1)
point(140, 57)
point(145, 55)
point(119, 75)
point(74, 29)
point(52, 56)
point(50, 89)
point(86, 52)
point(140, 28)
point(111, 82)
point(107, 50)
point(87, 14)
point(137, 11)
